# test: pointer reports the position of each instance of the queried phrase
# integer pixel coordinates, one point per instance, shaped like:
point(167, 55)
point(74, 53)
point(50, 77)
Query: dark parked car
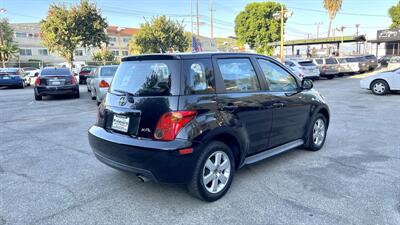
point(372, 61)
point(384, 60)
point(197, 118)
point(56, 81)
point(362, 63)
point(13, 77)
point(85, 72)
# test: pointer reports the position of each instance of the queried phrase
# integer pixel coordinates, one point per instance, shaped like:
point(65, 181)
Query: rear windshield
point(58, 71)
point(306, 63)
point(8, 71)
point(331, 61)
point(146, 78)
point(370, 57)
point(88, 69)
point(108, 71)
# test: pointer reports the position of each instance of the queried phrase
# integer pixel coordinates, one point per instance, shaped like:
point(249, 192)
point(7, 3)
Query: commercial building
point(27, 37)
point(390, 39)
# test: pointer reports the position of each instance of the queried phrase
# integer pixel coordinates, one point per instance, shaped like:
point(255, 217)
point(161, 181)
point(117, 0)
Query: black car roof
point(169, 56)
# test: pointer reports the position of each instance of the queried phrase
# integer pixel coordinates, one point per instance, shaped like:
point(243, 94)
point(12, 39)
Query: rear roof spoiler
point(150, 57)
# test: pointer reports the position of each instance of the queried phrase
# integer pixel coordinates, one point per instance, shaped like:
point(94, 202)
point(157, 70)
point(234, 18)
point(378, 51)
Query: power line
point(341, 13)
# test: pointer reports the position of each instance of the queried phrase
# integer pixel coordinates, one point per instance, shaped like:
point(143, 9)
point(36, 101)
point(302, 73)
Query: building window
point(20, 34)
point(113, 39)
point(115, 52)
point(126, 39)
point(78, 52)
point(125, 53)
point(43, 51)
point(25, 51)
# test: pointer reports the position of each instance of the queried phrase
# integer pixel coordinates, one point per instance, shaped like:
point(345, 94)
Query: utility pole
point(281, 16)
point(341, 29)
point(211, 19)
point(197, 18)
point(358, 45)
point(318, 24)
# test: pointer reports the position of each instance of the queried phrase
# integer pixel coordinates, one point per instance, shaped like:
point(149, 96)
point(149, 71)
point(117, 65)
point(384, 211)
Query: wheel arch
point(378, 79)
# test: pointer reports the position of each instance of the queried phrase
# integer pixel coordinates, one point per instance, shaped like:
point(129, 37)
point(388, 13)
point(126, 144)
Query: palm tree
point(7, 51)
point(332, 7)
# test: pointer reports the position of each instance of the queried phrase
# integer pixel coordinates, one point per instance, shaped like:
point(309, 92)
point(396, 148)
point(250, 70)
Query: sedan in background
point(394, 63)
point(101, 81)
point(304, 68)
point(13, 77)
point(85, 72)
point(382, 83)
point(56, 81)
point(32, 73)
point(362, 64)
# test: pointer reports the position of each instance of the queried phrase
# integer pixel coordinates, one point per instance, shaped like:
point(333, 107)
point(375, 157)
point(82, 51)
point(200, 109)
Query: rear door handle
point(278, 105)
point(230, 107)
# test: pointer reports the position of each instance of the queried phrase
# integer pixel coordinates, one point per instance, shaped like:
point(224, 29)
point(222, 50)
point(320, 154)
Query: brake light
point(103, 84)
point(171, 123)
point(37, 80)
point(73, 80)
point(324, 67)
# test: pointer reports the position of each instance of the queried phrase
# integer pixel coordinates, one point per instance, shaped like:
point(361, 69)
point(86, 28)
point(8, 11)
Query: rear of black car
point(139, 120)
point(56, 81)
point(85, 72)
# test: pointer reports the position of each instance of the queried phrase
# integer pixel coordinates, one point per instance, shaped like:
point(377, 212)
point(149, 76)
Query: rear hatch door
point(142, 90)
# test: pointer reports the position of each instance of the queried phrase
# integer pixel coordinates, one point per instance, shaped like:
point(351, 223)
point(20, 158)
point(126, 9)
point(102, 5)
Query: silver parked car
point(328, 67)
point(348, 65)
point(100, 82)
point(304, 68)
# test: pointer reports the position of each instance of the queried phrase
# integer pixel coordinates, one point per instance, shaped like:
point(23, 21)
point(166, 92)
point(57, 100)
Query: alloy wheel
point(216, 172)
point(319, 132)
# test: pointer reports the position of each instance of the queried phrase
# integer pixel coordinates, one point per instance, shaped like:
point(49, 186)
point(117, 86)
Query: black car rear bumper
point(156, 160)
point(56, 90)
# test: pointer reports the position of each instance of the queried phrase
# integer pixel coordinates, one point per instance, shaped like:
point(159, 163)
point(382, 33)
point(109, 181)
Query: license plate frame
point(120, 123)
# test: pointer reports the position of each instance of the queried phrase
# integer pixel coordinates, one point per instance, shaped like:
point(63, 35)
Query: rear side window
point(146, 78)
point(108, 71)
point(88, 69)
point(319, 61)
point(351, 59)
point(331, 61)
point(199, 77)
point(238, 75)
point(58, 71)
point(341, 60)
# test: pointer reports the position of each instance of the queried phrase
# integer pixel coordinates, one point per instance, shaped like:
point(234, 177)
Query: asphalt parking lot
point(48, 174)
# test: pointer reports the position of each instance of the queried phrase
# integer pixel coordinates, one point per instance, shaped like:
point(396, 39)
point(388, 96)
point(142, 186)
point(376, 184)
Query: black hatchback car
point(56, 81)
point(197, 118)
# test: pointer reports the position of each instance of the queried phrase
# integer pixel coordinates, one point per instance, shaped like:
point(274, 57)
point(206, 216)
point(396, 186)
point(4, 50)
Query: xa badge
point(122, 101)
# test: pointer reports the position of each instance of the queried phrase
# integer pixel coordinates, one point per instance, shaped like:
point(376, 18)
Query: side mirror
point(307, 84)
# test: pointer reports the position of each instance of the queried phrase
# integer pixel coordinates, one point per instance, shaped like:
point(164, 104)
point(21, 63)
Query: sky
point(372, 15)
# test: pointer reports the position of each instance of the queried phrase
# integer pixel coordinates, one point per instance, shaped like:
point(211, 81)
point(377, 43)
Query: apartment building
point(27, 37)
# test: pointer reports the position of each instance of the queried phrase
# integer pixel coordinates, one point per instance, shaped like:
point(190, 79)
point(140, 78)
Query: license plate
point(55, 83)
point(120, 123)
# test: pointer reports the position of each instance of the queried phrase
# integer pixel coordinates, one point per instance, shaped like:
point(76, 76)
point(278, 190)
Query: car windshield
point(331, 61)
point(88, 69)
point(55, 71)
point(145, 78)
point(306, 63)
point(30, 68)
point(108, 71)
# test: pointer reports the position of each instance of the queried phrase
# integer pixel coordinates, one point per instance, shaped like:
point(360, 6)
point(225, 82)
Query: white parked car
point(100, 81)
point(382, 83)
point(32, 73)
point(303, 68)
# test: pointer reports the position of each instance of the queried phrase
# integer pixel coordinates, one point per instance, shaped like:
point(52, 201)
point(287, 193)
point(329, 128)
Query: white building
point(27, 37)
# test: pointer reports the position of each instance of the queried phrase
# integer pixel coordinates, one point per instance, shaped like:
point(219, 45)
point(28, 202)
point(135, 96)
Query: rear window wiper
point(125, 92)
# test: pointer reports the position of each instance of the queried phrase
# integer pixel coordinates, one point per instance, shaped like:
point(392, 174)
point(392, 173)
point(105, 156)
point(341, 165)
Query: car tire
point(380, 87)
point(77, 95)
point(330, 77)
point(38, 97)
point(206, 167)
point(316, 134)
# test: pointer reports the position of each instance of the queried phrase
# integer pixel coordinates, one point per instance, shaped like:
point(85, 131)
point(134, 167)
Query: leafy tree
point(257, 26)
point(332, 7)
point(161, 34)
point(63, 30)
point(394, 13)
point(133, 48)
point(103, 55)
point(8, 48)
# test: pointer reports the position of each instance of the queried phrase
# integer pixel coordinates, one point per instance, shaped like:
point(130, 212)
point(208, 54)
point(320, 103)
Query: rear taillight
point(324, 67)
point(73, 80)
point(171, 123)
point(103, 84)
point(38, 80)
